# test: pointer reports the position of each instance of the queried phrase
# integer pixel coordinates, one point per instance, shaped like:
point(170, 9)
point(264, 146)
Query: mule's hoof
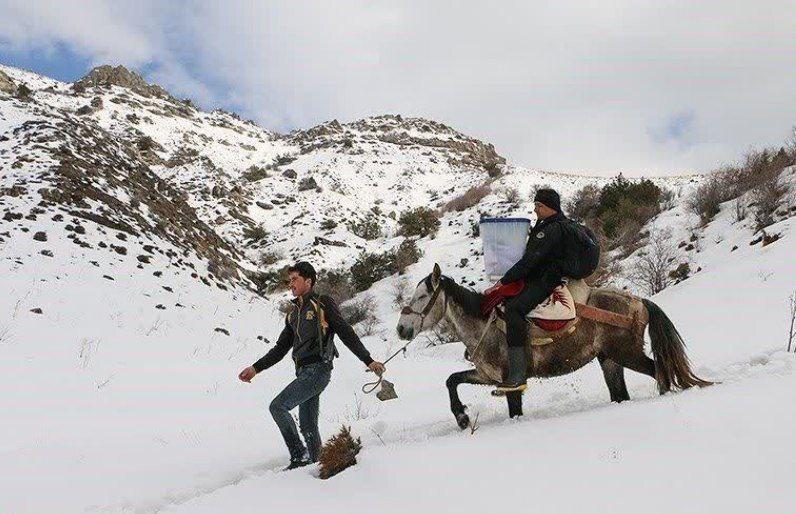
point(463, 420)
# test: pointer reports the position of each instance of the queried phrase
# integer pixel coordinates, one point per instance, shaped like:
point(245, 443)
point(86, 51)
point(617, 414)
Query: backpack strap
point(320, 318)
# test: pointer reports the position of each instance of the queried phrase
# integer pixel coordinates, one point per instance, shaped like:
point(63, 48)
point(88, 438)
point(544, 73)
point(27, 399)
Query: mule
point(438, 297)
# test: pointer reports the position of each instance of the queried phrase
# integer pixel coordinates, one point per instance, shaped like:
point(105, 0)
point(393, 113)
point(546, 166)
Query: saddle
point(558, 315)
point(551, 315)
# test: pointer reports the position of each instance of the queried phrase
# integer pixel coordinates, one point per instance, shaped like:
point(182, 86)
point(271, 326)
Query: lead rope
point(371, 386)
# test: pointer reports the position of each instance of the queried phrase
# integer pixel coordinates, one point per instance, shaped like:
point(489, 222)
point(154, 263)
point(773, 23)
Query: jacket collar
point(559, 216)
point(302, 300)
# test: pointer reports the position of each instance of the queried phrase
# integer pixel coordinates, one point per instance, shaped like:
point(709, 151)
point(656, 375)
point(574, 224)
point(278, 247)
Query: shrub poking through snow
point(680, 273)
point(372, 267)
point(358, 310)
point(255, 173)
point(468, 199)
point(367, 228)
point(255, 234)
point(619, 209)
point(338, 453)
point(421, 222)
point(405, 255)
point(336, 283)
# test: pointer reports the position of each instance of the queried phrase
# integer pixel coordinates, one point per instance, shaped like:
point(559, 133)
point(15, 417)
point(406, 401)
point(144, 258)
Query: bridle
point(371, 386)
point(430, 305)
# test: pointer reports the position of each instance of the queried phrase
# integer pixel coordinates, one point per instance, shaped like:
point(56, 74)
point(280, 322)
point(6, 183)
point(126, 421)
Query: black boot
point(515, 381)
point(298, 462)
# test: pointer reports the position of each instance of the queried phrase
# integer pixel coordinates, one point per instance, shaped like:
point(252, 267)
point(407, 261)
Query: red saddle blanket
point(495, 298)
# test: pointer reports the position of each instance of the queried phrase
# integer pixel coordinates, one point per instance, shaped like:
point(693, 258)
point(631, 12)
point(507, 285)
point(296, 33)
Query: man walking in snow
point(541, 269)
point(309, 330)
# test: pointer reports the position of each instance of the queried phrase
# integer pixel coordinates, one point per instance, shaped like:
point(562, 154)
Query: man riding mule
point(610, 327)
point(541, 268)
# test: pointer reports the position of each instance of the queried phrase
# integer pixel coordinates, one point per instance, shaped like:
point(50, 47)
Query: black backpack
point(583, 250)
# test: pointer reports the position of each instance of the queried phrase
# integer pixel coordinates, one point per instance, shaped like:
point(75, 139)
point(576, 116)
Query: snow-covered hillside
point(123, 326)
point(302, 188)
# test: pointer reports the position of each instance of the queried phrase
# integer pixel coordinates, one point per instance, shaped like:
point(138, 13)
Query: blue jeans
point(304, 392)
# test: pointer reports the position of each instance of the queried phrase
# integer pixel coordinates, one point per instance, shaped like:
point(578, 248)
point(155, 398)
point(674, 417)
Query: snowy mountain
point(299, 189)
point(131, 221)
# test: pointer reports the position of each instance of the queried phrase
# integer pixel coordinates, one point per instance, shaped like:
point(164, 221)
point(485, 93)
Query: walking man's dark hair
point(305, 270)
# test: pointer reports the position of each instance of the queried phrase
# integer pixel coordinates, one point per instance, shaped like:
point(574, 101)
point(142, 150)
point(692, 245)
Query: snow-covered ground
point(119, 377)
point(113, 405)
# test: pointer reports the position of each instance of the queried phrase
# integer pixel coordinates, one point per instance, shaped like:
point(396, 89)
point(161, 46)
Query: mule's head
point(425, 309)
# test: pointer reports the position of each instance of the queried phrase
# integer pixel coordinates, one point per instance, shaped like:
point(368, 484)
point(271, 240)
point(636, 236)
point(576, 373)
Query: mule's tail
point(672, 369)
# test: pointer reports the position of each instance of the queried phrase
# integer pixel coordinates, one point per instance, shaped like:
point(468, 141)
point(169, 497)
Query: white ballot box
point(504, 242)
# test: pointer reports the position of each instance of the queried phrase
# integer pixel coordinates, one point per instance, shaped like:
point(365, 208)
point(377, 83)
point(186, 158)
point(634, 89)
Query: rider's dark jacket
point(310, 327)
point(545, 249)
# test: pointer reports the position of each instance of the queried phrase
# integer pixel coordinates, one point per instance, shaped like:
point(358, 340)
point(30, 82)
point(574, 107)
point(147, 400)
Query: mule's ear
point(436, 274)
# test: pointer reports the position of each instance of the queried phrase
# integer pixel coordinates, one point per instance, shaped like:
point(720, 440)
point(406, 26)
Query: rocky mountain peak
point(6, 84)
point(107, 75)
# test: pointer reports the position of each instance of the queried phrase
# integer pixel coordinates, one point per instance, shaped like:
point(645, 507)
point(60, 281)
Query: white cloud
point(635, 86)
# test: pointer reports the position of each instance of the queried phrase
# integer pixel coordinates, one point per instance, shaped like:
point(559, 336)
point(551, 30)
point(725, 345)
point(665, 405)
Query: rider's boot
point(515, 380)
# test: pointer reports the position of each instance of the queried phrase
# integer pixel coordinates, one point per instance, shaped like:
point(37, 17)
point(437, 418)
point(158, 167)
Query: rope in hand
point(371, 386)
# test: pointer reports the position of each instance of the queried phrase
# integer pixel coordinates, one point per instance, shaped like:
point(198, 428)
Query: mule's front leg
point(457, 408)
point(514, 400)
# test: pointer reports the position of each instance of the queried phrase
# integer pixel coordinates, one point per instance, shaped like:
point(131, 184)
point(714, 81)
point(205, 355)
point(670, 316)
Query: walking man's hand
point(247, 374)
point(377, 367)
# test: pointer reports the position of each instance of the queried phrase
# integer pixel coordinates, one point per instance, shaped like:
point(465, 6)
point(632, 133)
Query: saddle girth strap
point(603, 316)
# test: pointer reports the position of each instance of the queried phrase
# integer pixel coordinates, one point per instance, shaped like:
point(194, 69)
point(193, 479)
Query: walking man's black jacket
point(302, 330)
point(546, 248)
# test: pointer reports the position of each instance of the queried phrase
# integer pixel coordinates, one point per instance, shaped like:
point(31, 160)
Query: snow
point(122, 395)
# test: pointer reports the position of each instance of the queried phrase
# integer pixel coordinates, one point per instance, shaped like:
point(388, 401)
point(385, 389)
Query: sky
point(639, 87)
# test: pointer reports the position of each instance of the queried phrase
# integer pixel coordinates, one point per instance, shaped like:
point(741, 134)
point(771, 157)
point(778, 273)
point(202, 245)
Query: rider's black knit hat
point(549, 197)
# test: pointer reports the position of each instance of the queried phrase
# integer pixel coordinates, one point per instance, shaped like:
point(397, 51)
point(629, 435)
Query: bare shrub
point(584, 203)
point(370, 268)
point(255, 234)
point(680, 273)
point(667, 199)
point(628, 237)
point(400, 292)
point(338, 453)
point(405, 255)
point(420, 222)
point(720, 186)
point(357, 310)
point(740, 210)
point(767, 196)
point(368, 326)
point(366, 228)
point(651, 270)
point(328, 224)
point(255, 173)
point(88, 348)
point(335, 283)
point(270, 257)
point(468, 199)
point(269, 281)
point(512, 196)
